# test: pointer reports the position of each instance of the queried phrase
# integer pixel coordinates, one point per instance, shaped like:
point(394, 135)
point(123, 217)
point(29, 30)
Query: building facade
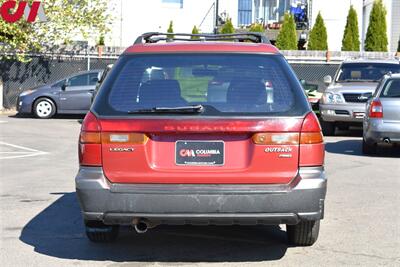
point(135, 17)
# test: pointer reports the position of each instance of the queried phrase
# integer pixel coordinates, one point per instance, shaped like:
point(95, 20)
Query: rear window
point(391, 89)
point(365, 71)
point(225, 84)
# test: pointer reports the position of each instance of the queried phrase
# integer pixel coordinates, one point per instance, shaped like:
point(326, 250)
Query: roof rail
point(154, 37)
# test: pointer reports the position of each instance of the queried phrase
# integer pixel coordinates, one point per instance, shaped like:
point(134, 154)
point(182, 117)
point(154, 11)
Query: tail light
point(276, 138)
point(310, 134)
point(90, 142)
point(124, 138)
point(312, 149)
point(376, 109)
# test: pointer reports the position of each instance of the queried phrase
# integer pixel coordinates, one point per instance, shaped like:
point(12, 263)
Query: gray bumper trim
point(302, 199)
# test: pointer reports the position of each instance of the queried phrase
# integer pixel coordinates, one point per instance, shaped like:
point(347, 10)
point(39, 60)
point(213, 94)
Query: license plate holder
point(199, 153)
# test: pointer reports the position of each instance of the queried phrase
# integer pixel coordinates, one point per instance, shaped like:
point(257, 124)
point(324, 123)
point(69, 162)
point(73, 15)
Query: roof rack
point(154, 37)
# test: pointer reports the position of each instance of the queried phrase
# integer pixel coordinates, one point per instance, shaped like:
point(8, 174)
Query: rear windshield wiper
point(183, 109)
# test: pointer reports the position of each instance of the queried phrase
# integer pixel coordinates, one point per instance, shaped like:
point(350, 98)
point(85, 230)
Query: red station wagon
point(213, 130)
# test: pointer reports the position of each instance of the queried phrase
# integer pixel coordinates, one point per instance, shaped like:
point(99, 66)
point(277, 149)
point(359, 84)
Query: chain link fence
point(18, 76)
point(39, 70)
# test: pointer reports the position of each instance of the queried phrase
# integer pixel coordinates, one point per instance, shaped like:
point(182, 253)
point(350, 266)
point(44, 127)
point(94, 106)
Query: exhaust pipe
point(386, 140)
point(141, 227)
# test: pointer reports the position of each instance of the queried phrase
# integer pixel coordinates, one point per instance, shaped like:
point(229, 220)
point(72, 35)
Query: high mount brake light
point(376, 109)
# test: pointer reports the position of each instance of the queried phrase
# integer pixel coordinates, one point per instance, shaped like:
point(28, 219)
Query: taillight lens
point(311, 138)
point(310, 134)
point(124, 138)
point(312, 149)
point(276, 138)
point(311, 130)
point(90, 138)
point(376, 109)
point(90, 142)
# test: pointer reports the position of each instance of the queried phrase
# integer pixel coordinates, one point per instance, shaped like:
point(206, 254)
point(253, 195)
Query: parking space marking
point(27, 152)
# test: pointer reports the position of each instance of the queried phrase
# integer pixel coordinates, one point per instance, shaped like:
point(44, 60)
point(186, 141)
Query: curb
point(8, 112)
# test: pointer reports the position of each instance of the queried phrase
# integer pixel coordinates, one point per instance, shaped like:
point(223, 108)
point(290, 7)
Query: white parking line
point(28, 152)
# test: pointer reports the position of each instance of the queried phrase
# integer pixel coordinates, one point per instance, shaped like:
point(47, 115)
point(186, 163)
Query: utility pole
point(216, 16)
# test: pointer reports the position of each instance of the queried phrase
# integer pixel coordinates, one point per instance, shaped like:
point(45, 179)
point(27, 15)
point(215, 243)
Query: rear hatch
point(206, 151)
point(169, 130)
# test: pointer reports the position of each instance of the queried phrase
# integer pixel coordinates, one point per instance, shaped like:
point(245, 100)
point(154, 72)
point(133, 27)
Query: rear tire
point(303, 234)
point(369, 149)
point(44, 108)
point(328, 128)
point(98, 232)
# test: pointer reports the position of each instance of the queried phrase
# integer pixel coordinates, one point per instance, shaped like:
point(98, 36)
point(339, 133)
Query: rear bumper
point(302, 199)
point(376, 130)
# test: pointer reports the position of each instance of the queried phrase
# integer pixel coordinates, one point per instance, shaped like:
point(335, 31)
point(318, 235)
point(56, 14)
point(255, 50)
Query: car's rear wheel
point(369, 149)
point(303, 234)
point(44, 108)
point(98, 232)
point(328, 128)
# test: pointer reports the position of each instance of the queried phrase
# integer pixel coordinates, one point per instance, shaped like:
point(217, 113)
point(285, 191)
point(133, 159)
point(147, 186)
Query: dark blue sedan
point(72, 95)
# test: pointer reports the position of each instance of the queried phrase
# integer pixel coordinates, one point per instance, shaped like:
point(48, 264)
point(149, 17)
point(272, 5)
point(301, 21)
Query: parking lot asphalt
point(41, 224)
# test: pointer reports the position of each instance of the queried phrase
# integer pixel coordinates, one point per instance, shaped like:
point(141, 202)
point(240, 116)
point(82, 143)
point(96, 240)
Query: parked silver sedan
point(382, 120)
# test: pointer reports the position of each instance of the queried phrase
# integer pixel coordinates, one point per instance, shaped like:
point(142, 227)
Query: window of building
point(245, 12)
point(178, 3)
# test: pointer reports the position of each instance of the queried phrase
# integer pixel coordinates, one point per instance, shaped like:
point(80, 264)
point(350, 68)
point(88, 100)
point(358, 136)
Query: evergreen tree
point(287, 37)
point(351, 37)
point(170, 30)
point(256, 27)
point(318, 36)
point(376, 39)
point(228, 27)
point(195, 31)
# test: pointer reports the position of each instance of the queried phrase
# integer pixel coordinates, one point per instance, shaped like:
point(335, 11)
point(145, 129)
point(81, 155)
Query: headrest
point(159, 91)
point(246, 92)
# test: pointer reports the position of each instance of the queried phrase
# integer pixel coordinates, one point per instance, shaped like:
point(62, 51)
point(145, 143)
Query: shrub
point(101, 41)
point(376, 39)
point(228, 27)
point(318, 36)
point(195, 31)
point(351, 37)
point(287, 37)
point(170, 30)
point(256, 27)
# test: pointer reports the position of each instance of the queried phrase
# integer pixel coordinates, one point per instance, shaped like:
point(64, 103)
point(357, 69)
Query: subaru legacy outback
point(160, 145)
